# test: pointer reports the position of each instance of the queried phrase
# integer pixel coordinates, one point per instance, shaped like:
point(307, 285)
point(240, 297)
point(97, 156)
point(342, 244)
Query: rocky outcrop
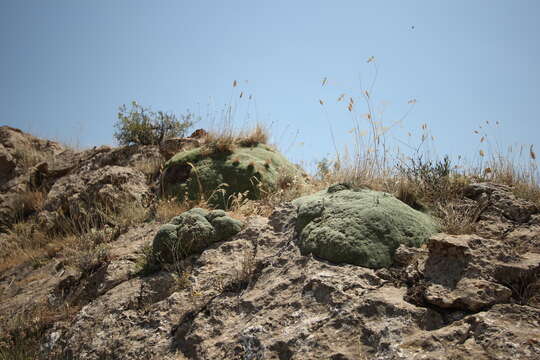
point(172, 146)
point(20, 157)
point(67, 181)
point(500, 201)
point(505, 216)
point(470, 273)
point(256, 296)
point(7, 165)
point(20, 151)
point(360, 227)
point(503, 332)
point(253, 291)
point(87, 197)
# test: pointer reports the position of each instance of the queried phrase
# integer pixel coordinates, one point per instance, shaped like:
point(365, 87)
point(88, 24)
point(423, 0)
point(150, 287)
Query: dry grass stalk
point(457, 218)
point(76, 238)
point(28, 202)
point(258, 135)
point(168, 208)
point(407, 193)
point(151, 168)
point(22, 334)
point(28, 157)
point(226, 140)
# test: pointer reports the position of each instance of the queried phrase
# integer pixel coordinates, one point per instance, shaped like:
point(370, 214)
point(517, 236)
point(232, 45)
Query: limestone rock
point(256, 296)
point(504, 332)
point(88, 196)
point(20, 153)
point(501, 199)
point(467, 272)
point(503, 215)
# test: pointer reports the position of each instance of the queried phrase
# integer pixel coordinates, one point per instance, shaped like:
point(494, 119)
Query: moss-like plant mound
point(216, 175)
point(360, 227)
point(191, 232)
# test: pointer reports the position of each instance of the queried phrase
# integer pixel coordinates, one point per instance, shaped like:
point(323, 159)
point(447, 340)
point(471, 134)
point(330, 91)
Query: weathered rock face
point(470, 273)
point(504, 216)
point(360, 227)
point(217, 176)
point(254, 294)
point(126, 156)
point(20, 154)
point(193, 231)
point(500, 200)
point(257, 297)
point(20, 151)
point(87, 196)
point(502, 332)
point(7, 164)
point(66, 177)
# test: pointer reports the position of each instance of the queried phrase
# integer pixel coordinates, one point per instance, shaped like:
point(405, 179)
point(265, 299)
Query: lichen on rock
point(359, 227)
point(193, 231)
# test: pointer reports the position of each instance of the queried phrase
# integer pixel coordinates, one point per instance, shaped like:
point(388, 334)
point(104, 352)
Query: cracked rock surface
point(254, 294)
point(257, 297)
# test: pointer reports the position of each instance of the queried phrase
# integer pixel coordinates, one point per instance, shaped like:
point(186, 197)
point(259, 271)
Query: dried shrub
point(259, 135)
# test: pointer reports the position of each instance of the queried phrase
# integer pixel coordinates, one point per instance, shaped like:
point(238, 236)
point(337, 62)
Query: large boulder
point(471, 273)
point(193, 231)
point(360, 227)
point(7, 164)
point(502, 215)
point(20, 180)
point(216, 175)
point(87, 197)
point(71, 183)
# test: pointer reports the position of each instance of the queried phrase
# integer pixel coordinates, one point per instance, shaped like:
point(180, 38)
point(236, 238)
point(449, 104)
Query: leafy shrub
point(142, 126)
point(428, 173)
point(431, 178)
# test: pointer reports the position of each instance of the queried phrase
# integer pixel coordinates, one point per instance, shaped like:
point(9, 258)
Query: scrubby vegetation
point(238, 171)
point(141, 125)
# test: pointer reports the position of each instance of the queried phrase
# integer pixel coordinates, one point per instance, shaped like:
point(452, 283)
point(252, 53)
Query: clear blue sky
point(66, 66)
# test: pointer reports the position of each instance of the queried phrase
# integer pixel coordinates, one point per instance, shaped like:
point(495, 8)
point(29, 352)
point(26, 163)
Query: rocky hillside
point(97, 263)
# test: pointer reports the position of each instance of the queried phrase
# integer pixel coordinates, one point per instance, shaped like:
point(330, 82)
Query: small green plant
point(431, 178)
point(147, 264)
point(428, 173)
point(142, 126)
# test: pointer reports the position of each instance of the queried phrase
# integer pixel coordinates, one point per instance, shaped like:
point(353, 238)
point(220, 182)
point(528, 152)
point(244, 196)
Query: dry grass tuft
point(76, 238)
point(87, 252)
point(21, 335)
point(258, 135)
point(27, 203)
point(407, 193)
point(226, 140)
point(458, 218)
point(527, 191)
point(24, 242)
point(151, 168)
point(168, 208)
point(220, 143)
point(290, 188)
point(242, 275)
point(28, 157)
